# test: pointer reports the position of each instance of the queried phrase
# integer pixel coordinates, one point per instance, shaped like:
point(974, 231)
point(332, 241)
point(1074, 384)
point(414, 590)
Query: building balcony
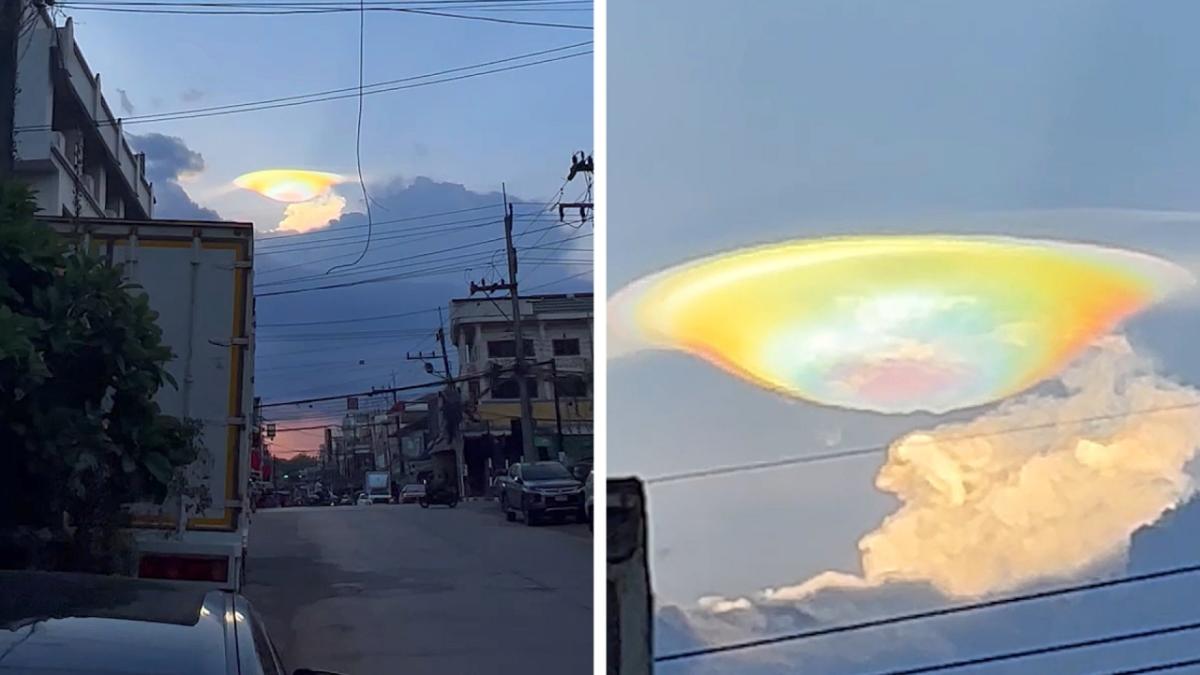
point(60, 110)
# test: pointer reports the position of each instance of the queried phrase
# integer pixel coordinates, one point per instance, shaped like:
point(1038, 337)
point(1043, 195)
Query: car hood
point(553, 483)
point(69, 623)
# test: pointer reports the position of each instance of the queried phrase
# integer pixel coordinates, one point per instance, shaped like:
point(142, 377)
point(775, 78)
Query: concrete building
point(356, 454)
point(557, 331)
point(69, 146)
point(413, 462)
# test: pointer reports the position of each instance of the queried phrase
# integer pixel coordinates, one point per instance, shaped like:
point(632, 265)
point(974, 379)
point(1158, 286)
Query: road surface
point(365, 590)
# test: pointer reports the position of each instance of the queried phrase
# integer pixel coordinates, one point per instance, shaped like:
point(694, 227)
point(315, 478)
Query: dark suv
point(540, 489)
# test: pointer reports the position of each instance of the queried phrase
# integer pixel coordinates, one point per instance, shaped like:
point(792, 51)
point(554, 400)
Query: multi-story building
point(557, 333)
point(69, 146)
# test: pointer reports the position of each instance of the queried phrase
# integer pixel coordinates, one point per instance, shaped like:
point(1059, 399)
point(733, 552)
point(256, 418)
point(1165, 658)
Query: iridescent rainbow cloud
point(893, 324)
point(289, 185)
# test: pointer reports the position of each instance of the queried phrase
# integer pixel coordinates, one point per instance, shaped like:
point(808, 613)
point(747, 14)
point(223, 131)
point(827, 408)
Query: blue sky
point(736, 125)
point(427, 150)
point(518, 127)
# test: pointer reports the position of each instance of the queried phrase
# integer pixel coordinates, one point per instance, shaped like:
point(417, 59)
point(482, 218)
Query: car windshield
point(545, 471)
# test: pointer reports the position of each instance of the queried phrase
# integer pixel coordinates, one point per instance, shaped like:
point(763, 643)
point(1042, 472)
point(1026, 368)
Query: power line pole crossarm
point(580, 164)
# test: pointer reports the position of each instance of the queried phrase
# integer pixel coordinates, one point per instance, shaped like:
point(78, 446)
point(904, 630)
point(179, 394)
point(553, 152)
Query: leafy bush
point(81, 359)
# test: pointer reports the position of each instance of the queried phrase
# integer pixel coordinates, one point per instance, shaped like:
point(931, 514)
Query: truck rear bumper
point(230, 546)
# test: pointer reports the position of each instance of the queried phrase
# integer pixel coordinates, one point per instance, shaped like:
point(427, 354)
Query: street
point(400, 589)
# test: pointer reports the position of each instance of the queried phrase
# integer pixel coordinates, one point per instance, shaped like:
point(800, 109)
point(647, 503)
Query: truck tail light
point(184, 567)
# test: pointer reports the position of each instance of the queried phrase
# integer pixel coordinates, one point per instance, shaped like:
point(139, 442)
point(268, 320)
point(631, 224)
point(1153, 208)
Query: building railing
point(87, 87)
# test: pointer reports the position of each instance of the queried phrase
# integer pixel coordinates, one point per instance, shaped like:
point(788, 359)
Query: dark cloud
point(126, 104)
point(423, 275)
point(167, 159)
point(191, 95)
point(1169, 543)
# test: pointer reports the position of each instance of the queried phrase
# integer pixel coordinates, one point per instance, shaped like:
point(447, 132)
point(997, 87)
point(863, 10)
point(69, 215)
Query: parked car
point(363, 499)
point(587, 500)
point(49, 625)
point(580, 470)
point(412, 493)
point(538, 490)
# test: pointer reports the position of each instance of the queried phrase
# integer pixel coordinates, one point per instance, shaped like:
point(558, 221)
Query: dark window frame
point(509, 348)
point(579, 383)
point(557, 342)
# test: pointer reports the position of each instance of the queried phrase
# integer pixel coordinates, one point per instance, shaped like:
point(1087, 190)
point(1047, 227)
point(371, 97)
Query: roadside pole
point(10, 26)
point(528, 450)
point(630, 600)
point(557, 412)
point(450, 390)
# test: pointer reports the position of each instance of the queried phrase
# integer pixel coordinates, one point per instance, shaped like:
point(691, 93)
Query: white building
point(69, 145)
point(557, 332)
point(555, 328)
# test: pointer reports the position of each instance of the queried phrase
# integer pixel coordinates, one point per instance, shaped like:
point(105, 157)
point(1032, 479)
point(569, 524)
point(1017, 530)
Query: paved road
point(400, 589)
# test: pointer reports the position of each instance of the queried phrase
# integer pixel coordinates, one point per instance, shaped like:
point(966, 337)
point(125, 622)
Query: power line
point(388, 390)
point(396, 233)
point(1160, 667)
point(316, 10)
point(422, 216)
point(856, 452)
point(413, 274)
point(559, 281)
point(408, 239)
point(410, 232)
point(441, 267)
point(351, 320)
point(332, 94)
point(933, 613)
point(1049, 649)
point(328, 3)
point(375, 267)
point(349, 5)
point(492, 19)
point(393, 264)
point(362, 32)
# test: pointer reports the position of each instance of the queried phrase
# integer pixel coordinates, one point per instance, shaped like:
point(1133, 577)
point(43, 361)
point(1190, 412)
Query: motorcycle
point(443, 497)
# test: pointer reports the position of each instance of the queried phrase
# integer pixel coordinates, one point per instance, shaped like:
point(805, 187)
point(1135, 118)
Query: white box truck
point(198, 276)
point(378, 487)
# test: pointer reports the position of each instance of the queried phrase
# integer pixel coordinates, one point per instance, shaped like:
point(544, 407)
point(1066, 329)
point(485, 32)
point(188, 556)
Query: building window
point(566, 347)
point(473, 386)
point(508, 388)
point(501, 349)
point(572, 385)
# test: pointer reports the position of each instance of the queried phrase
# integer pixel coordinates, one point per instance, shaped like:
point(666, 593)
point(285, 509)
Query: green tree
point(81, 359)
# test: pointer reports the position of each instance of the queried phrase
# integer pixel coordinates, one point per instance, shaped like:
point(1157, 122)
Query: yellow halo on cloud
point(289, 185)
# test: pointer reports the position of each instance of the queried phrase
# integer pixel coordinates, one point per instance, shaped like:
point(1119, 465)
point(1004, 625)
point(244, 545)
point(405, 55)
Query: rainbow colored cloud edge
point(894, 324)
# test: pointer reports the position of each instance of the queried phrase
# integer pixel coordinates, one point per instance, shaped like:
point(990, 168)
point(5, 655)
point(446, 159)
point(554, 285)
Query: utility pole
point(557, 413)
point(441, 336)
point(528, 451)
point(451, 391)
point(10, 28)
